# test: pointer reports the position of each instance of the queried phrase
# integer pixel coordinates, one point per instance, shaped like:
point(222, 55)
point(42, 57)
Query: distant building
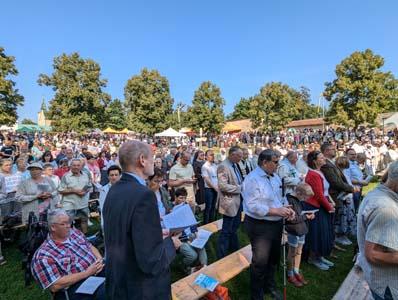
point(41, 116)
point(245, 125)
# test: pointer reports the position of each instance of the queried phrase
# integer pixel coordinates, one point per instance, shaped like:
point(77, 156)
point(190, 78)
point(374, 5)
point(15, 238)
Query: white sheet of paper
point(90, 285)
point(180, 218)
point(201, 239)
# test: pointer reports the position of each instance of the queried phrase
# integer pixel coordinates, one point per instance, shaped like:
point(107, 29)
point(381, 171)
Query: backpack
point(36, 235)
point(219, 293)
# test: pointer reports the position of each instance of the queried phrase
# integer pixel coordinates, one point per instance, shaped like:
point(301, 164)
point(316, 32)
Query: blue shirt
point(355, 171)
point(139, 179)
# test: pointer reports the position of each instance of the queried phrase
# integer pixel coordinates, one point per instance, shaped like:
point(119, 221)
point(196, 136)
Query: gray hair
point(130, 152)
point(53, 215)
point(393, 171)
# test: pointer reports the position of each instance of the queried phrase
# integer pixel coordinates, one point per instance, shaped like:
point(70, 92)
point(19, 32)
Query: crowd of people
point(307, 185)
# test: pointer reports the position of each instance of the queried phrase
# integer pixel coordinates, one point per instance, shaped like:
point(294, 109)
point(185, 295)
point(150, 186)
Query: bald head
point(136, 157)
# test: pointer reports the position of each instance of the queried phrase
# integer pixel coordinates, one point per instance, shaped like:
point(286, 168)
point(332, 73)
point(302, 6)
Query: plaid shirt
point(55, 260)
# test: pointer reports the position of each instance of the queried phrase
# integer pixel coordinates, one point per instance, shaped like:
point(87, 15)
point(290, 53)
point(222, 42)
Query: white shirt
point(260, 193)
point(209, 170)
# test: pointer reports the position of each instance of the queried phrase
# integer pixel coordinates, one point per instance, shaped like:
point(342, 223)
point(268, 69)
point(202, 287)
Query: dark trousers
point(228, 238)
point(98, 295)
point(265, 239)
point(356, 197)
point(210, 206)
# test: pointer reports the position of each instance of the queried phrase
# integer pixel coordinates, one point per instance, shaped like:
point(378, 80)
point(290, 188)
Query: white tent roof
point(392, 120)
point(170, 133)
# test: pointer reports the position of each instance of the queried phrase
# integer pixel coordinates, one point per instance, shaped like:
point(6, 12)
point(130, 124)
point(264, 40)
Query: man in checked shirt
point(66, 259)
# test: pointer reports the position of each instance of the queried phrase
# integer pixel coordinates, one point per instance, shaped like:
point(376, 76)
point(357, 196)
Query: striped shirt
point(54, 260)
point(378, 224)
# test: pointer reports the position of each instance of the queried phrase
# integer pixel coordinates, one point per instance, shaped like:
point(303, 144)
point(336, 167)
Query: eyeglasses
point(64, 224)
point(276, 162)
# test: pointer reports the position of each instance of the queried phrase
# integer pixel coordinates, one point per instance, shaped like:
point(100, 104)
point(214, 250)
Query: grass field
point(323, 284)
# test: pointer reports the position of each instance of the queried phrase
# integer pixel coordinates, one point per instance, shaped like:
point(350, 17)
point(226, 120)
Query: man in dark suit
point(138, 252)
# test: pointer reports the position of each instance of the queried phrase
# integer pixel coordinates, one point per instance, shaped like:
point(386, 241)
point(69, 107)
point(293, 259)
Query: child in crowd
point(193, 258)
point(296, 231)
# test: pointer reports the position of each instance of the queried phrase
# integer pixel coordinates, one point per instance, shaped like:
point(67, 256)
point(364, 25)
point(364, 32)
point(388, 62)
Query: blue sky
point(238, 45)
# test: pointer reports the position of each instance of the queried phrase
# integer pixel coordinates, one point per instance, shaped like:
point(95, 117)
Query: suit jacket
point(229, 189)
point(137, 257)
point(338, 182)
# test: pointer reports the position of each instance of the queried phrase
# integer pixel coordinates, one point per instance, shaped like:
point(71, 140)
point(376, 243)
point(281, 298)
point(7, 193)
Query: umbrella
point(170, 132)
point(393, 120)
point(110, 130)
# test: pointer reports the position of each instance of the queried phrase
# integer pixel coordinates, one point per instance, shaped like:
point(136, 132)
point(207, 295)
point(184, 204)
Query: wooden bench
point(221, 270)
point(354, 287)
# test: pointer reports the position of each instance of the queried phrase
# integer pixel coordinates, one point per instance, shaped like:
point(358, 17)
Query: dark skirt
point(320, 238)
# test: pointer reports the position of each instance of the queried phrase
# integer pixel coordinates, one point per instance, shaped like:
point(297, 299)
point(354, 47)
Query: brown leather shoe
point(293, 280)
point(301, 278)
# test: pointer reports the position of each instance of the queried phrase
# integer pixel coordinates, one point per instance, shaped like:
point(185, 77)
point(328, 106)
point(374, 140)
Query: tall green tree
point(206, 111)
point(10, 98)
point(361, 90)
point(241, 109)
point(148, 102)
point(275, 106)
point(115, 115)
point(79, 102)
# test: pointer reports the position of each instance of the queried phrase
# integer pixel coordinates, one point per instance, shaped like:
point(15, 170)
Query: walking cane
point(284, 248)
point(284, 265)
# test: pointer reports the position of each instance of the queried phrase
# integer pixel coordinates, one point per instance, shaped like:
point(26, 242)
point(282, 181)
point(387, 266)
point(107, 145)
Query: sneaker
point(293, 280)
point(342, 240)
point(2, 261)
point(301, 278)
point(347, 240)
point(327, 262)
point(319, 264)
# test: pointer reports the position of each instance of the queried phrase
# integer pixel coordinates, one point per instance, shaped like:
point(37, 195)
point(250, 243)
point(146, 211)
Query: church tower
point(41, 116)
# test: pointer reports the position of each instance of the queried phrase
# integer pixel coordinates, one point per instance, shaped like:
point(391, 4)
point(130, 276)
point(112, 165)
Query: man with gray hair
point(378, 238)
point(288, 172)
point(138, 252)
point(74, 188)
point(230, 179)
point(66, 259)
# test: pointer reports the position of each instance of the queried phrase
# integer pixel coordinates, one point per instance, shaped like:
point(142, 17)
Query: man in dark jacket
point(138, 253)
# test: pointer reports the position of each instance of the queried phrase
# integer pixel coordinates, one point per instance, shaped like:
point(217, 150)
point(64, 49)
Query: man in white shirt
point(209, 174)
point(264, 208)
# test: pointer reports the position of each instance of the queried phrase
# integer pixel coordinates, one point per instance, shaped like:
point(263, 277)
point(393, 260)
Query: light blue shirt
point(260, 193)
point(355, 171)
point(139, 179)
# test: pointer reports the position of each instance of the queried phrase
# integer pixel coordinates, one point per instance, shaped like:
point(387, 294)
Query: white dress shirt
point(260, 193)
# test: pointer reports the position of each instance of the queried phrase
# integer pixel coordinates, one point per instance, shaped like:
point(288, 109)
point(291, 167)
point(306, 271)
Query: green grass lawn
point(323, 284)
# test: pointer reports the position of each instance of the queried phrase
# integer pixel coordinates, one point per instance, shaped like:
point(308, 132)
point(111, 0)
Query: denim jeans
point(210, 205)
point(192, 255)
point(228, 238)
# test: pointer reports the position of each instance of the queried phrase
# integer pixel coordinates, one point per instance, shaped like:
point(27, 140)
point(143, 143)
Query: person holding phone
point(265, 208)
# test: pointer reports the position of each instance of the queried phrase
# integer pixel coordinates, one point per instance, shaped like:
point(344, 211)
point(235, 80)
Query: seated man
point(66, 259)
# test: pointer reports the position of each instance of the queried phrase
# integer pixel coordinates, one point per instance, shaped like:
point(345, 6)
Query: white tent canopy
point(393, 120)
point(170, 133)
